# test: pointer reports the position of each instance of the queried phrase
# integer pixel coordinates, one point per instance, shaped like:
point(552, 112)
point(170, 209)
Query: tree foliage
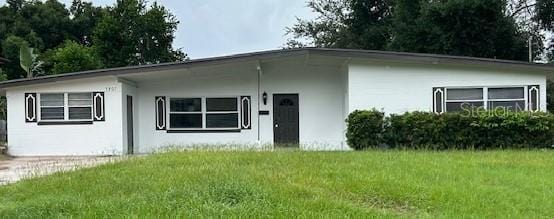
point(480, 28)
point(357, 24)
point(28, 61)
point(74, 57)
point(127, 33)
point(116, 34)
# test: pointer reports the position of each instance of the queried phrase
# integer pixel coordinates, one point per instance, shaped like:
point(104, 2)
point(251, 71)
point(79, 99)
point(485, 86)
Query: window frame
point(486, 98)
point(65, 107)
point(203, 111)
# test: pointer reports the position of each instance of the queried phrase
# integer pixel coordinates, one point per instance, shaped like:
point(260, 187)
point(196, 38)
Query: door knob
point(276, 125)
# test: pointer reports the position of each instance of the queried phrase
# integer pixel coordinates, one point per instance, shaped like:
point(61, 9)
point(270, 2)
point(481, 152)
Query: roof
point(339, 53)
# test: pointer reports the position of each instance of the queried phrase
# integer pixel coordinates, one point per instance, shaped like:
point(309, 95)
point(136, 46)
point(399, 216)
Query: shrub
point(365, 129)
point(482, 130)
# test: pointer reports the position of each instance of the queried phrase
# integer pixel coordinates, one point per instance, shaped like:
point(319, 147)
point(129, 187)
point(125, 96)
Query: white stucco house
point(297, 96)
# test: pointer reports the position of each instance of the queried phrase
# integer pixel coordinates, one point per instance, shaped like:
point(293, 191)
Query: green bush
point(365, 129)
point(481, 130)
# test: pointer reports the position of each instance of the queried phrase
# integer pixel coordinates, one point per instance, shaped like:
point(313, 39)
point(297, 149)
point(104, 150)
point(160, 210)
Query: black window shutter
point(246, 111)
point(534, 98)
point(439, 100)
point(98, 100)
point(160, 113)
point(31, 107)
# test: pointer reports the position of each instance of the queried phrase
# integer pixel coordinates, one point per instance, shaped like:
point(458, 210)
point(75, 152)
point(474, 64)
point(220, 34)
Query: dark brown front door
point(285, 119)
point(130, 137)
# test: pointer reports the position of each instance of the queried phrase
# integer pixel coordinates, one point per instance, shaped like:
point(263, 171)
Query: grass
point(494, 184)
point(3, 157)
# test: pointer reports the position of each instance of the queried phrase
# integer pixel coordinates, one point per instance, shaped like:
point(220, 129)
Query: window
point(222, 113)
point(459, 99)
point(185, 113)
point(507, 98)
point(52, 107)
point(204, 113)
point(490, 98)
point(66, 106)
point(80, 106)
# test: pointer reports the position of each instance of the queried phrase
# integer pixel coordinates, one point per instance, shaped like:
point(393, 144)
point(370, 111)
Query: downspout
point(259, 70)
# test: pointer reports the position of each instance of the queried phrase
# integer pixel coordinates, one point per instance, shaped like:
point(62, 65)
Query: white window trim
point(203, 111)
point(486, 99)
point(65, 108)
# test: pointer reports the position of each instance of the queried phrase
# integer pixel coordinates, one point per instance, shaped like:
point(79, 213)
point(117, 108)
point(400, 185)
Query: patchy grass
point(493, 184)
point(3, 157)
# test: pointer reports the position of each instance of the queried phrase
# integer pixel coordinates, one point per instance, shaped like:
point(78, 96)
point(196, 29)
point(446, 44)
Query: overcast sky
point(222, 27)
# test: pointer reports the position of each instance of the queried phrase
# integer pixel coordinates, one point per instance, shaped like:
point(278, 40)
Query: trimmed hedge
point(365, 129)
point(483, 130)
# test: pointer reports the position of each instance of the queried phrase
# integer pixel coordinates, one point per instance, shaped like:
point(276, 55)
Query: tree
point(73, 57)
point(357, 24)
point(132, 34)
point(85, 18)
point(545, 13)
point(369, 24)
point(28, 60)
point(478, 28)
point(3, 75)
point(49, 20)
point(129, 33)
point(10, 50)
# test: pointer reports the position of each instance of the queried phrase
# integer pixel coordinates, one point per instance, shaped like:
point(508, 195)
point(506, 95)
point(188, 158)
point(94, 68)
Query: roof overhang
point(276, 54)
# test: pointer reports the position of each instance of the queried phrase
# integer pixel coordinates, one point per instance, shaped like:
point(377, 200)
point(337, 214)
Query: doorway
point(130, 137)
point(286, 119)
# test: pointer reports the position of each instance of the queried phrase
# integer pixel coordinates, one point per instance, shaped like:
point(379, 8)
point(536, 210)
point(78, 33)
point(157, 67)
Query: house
point(296, 96)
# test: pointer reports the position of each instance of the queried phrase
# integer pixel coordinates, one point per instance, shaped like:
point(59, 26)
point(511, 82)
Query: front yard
point(290, 183)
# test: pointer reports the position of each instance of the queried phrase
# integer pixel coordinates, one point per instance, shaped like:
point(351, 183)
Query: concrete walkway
point(15, 169)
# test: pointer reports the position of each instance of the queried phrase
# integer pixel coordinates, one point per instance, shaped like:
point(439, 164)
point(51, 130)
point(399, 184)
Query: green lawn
point(495, 184)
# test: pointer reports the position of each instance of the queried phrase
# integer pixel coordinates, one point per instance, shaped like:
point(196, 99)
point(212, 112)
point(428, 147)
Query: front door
point(130, 142)
point(285, 119)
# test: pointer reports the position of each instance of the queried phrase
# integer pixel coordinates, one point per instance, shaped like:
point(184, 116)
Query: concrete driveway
point(15, 169)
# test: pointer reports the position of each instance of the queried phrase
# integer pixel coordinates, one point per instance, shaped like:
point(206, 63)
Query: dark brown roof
point(339, 53)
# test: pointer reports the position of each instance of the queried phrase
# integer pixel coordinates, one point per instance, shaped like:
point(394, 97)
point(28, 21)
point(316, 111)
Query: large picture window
point(489, 98)
point(203, 113)
point(65, 106)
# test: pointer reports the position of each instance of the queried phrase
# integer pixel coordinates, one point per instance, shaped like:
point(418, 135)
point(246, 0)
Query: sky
point(221, 27)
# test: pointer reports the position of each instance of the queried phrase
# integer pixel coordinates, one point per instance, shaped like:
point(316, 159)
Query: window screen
point(80, 106)
point(52, 106)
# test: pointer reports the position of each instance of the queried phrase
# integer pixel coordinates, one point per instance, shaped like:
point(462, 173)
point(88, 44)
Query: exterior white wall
point(220, 82)
point(321, 101)
point(320, 91)
point(100, 138)
point(398, 88)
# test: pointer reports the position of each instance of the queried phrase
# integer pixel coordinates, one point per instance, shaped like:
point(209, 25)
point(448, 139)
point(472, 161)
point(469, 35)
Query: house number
point(111, 89)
